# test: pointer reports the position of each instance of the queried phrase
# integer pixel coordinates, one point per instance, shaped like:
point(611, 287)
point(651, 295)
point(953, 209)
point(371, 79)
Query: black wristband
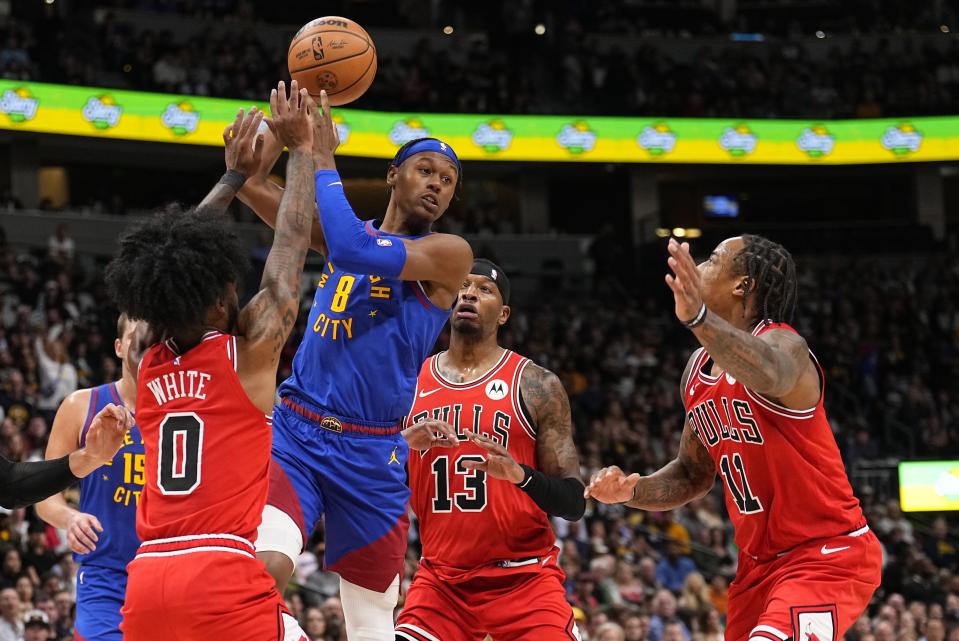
point(233, 179)
point(561, 497)
point(699, 320)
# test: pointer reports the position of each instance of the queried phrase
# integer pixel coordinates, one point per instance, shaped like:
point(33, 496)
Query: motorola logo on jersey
point(497, 389)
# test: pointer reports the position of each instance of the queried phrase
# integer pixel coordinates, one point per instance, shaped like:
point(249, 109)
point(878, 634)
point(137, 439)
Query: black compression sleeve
point(22, 484)
point(561, 497)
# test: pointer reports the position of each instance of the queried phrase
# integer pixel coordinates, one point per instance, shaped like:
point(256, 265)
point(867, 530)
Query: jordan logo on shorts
point(393, 458)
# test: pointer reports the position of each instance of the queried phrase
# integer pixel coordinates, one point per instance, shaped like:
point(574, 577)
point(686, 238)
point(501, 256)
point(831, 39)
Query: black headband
point(483, 267)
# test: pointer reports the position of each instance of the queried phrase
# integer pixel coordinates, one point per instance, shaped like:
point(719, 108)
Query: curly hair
point(771, 272)
point(172, 267)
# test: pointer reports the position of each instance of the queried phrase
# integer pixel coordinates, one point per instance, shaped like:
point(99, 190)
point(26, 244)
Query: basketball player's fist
point(611, 485)
point(292, 116)
point(243, 143)
point(427, 434)
point(82, 533)
point(326, 138)
point(498, 464)
point(685, 281)
point(106, 433)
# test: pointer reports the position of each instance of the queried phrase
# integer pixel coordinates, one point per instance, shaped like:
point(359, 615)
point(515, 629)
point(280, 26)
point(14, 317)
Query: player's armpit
point(64, 438)
point(545, 397)
point(444, 259)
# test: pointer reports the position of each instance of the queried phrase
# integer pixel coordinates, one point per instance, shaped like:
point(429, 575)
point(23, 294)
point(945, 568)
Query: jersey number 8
point(343, 288)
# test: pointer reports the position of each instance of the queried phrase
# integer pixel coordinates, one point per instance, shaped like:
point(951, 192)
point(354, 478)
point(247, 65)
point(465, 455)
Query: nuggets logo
point(406, 130)
point(327, 80)
point(493, 136)
point(342, 129)
point(577, 138)
point(19, 105)
point(180, 118)
point(902, 140)
point(497, 389)
point(739, 141)
point(658, 139)
point(331, 423)
point(102, 112)
point(816, 141)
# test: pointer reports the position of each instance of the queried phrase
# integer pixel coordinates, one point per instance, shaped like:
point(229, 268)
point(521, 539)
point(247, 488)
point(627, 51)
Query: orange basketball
point(334, 54)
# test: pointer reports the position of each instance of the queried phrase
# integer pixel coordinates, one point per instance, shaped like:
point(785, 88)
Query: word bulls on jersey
point(784, 477)
point(467, 519)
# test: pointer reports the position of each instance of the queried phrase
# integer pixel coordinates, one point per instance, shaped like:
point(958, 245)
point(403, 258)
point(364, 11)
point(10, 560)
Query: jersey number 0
point(181, 449)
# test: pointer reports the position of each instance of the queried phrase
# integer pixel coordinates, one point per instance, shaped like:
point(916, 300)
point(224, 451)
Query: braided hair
point(172, 267)
point(771, 278)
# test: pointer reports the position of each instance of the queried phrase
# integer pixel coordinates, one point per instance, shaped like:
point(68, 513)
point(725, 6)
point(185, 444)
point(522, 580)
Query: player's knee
point(369, 614)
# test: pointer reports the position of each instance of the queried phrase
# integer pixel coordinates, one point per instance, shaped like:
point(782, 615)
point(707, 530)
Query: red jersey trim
point(434, 370)
point(699, 357)
point(515, 400)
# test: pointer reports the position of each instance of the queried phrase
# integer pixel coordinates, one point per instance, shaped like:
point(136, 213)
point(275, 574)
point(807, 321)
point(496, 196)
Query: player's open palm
point(82, 533)
point(611, 485)
point(428, 434)
point(242, 142)
point(326, 138)
point(292, 120)
point(499, 463)
point(685, 281)
point(105, 436)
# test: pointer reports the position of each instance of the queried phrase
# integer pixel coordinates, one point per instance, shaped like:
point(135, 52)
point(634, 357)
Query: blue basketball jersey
point(111, 493)
point(366, 340)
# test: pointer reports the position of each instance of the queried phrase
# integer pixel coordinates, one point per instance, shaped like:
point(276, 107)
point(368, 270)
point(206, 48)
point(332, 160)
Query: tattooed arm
point(555, 486)
point(687, 477)
point(267, 320)
point(243, 148)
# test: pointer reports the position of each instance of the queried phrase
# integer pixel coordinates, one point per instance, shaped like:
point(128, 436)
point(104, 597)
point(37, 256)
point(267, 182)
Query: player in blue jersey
point(338, 443)
point(102, 533)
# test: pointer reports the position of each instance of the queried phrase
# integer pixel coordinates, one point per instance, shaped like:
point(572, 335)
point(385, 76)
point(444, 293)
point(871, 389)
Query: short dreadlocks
point(771, 274)
point(173, 266)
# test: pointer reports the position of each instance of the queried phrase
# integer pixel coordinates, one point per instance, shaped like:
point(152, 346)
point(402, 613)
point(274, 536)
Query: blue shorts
point(100, 593)
point(357, 480)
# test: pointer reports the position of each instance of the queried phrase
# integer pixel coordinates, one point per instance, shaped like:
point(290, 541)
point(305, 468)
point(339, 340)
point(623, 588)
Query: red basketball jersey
point(785, 480)
point(467, 519)
point(207, 446)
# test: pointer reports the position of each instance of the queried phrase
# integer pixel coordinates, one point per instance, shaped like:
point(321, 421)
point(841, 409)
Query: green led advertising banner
point(132, 115)
point(929, 486)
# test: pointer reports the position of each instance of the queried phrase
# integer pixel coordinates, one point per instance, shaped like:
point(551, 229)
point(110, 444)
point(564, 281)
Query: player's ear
point(391, 176)
point(117, 345)
point(503, 315)
point(743, 286)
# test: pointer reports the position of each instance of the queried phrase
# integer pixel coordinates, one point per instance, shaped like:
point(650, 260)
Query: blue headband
point(427, 144)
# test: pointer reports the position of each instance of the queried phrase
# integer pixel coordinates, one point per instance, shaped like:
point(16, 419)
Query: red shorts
point(509, 604)
point(814, 592)
point(191, 591)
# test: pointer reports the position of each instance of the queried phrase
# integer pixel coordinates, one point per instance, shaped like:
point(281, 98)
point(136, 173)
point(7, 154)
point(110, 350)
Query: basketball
point(335, 54)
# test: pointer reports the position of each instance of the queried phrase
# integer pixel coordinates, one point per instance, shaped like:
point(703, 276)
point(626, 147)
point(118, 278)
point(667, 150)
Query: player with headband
point(339, 447)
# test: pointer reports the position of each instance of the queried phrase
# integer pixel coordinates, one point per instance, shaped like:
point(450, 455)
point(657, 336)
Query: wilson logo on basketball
point(497, 389)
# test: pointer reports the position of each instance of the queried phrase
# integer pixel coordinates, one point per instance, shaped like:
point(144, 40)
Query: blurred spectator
point(11, 624)
point(672, 570)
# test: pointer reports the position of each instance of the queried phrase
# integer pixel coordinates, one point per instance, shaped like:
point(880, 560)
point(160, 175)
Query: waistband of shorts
point(337, 424)
point(853, 533)
point(194, 543)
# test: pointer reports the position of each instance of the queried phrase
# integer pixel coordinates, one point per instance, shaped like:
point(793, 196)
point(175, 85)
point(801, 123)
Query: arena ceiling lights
point(150, 117)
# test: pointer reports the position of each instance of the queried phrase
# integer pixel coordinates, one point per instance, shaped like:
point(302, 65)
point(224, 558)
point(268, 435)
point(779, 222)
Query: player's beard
point(470, 329)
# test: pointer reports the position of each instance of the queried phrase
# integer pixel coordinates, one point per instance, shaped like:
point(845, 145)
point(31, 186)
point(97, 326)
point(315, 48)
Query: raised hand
point(685, 281)
point(292, 116)
point(611, 485)
point(105, 436)
point(82, 533)
point(499, 463)
point(326, 138)
point(242, 144)
point(423, 435)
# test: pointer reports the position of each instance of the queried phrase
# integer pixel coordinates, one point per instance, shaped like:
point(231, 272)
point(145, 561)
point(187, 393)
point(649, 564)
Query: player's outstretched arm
point(267, 320)
point(687, 477)
point(65, 438)
point(439, 258)
point(263, 196)
point(775, 364)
